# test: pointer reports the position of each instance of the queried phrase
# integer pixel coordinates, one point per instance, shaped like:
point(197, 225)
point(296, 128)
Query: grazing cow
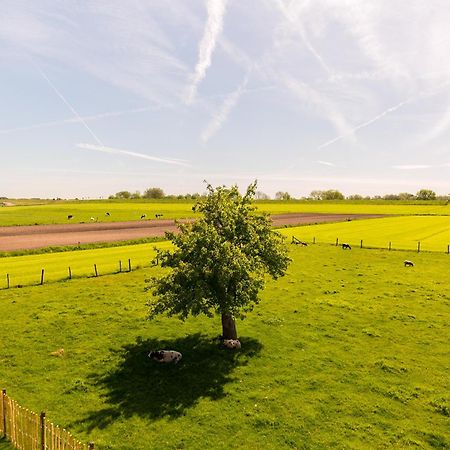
point(143, 216)
point(346, 246)
point(158, 215)
point(165, 356)
point(232, 343)
point(107, 214)
point(408, 263)
point(69, 217)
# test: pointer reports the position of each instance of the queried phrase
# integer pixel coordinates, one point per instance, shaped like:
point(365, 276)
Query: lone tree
point(220, 261)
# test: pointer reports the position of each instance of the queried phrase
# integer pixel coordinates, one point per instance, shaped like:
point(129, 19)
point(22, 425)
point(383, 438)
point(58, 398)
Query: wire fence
point(41, 276)
point(27, 430)
point(348, 244)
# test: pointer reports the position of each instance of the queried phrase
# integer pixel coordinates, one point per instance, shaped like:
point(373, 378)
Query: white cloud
point(118, 151)
point(326, 163)
point(412, 167)
point(213, 28)
point(221, 116)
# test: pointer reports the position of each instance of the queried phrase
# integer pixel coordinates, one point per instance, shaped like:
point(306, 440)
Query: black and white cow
point(346, 246)
point(408, 263)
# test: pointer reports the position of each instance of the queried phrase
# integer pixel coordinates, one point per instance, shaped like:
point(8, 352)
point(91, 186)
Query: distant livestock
point(165, 356)
point(107, 214)
point(69, 217)
point(143, 216)
point(346, 246)
point(158, 215)
point(94, 219)
point(408, 263)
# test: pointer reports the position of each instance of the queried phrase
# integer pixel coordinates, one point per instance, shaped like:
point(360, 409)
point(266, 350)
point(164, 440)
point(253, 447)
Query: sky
point(101, 96)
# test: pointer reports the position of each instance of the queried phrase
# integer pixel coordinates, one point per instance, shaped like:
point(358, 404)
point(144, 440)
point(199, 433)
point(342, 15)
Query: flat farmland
point(348, 350)
point(433, 232)
point(119, 211)
point(403, 232)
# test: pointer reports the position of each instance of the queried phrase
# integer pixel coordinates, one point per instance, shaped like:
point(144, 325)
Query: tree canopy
point(220, 261)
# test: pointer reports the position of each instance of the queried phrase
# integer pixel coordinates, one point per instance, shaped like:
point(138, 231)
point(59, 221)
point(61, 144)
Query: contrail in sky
point(77, 120)
point(69, 105)
point(221, 116)
point(385, 112)
point(119, 151)
point(213, 28)
point(364, 124)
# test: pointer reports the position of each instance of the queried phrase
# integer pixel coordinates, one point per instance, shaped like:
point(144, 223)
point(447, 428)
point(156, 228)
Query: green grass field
point(26, 270)
point(349, 350)
point(83, 210)
point(404, 233)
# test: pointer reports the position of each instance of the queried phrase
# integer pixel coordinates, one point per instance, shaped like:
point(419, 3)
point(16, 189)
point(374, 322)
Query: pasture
point(403, 232)
point(433, 232)
point(57, 212)
point(349, 350)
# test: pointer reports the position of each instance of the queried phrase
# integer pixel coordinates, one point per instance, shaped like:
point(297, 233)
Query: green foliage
point(330, 194)
point(280, 195)
point(221, 260)
point(426, 194)
point(153, 192)
point(122, 195)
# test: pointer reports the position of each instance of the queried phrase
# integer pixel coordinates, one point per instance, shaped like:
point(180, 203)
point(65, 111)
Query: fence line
point(27, 430)
point(389, 246)
point(96, 273)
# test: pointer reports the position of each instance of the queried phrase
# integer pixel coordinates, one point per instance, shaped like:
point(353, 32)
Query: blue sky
point(102, 96)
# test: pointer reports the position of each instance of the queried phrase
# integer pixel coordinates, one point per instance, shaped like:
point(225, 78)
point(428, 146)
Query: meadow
point(404, 232)
point(82, 210)
point(348, 350)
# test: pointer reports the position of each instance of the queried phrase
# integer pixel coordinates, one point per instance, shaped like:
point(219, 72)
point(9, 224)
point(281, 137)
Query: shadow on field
point(141, 386)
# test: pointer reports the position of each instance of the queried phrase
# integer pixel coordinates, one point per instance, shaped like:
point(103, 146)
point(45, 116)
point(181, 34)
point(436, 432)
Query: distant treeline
point(331, 194)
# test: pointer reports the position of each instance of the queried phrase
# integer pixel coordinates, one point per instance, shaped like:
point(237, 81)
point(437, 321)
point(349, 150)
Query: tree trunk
point(228, 327)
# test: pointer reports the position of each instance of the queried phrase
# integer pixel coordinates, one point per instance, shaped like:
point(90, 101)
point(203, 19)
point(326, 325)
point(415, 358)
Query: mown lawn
point(83, 210)
point(349, 350)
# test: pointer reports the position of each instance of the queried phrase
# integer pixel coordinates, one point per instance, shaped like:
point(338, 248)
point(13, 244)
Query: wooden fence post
point(70, 273)
point(7, 280)
point(129, 265)
point(42, 277)
point(448, 249)
point(120, 265)
point(360, 244)
point(42, 424)
point(337, 242)
point(314, 240)
point(418, 247)
point(389, 245)
point(95, 270)
point(4, 411)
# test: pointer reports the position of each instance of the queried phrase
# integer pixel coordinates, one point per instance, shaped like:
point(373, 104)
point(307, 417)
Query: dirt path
point(37, 236)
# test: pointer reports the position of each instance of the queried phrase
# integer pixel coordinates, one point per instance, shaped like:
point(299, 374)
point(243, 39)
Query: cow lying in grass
point(407, 263)
point(165, 356)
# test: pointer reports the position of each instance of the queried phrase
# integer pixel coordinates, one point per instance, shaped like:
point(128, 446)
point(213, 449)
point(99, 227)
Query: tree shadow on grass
point(141, 386)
